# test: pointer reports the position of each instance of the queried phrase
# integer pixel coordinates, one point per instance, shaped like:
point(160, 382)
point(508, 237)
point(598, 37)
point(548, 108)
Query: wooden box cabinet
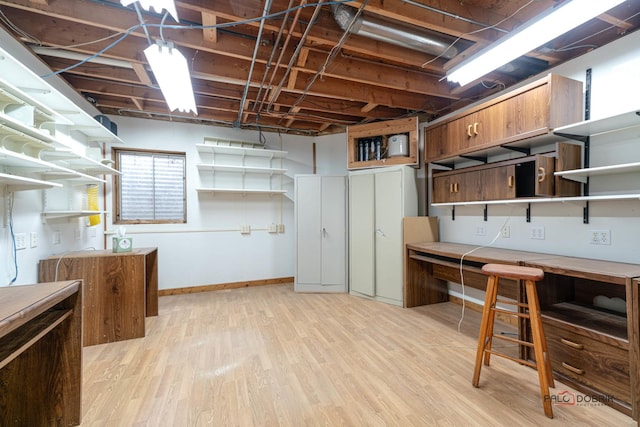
point(41, 354)
point(531, 111)
point(408, 126)
point(120, 290)
point(529, 176)
point(591, 347)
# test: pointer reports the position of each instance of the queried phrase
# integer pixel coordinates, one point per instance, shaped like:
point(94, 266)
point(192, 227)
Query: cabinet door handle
point(469, 131)
point(475, 128)
point(541, 174)
point(573, 368)
point(456, 187)
point(510, 181)
point(572, 344)
point(380, 232)
point(324, 232)
point(451, 187)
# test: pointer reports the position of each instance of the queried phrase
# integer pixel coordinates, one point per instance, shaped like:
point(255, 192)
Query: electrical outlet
point(76, 234)
point(536, 232)
point(33, 238)
point(273, 228)
point(481, 230)
point(600, 237)
point(92, 232)
point(56, 238)
point(280, 228)
point(506, 232)
point(21, 241)
point(245, 229)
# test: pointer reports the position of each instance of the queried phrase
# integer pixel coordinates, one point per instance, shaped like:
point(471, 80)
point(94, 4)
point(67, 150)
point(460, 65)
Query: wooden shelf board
point(544, 200)
point(592, 319)
point(16, 342)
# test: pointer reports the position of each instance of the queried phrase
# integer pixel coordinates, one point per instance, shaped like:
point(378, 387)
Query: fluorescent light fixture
point(157, 5)
point(548, 27)
point(172, 73)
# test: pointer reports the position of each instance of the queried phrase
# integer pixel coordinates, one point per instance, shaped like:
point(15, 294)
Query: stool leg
point(539, 346)
point(482, 336)
point(492, 319)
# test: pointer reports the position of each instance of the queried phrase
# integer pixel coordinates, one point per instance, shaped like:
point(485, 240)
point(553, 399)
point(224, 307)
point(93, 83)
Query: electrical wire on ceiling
point(274, 48)
point(146, 25)
point(275, 93)
point(330, 57)
point(494, 26)
point(267, 7)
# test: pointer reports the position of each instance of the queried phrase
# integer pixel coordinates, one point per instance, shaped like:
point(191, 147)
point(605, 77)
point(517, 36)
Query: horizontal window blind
point(152, 186)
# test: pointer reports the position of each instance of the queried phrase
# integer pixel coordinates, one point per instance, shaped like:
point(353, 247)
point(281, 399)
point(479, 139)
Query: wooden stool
point(530, 310)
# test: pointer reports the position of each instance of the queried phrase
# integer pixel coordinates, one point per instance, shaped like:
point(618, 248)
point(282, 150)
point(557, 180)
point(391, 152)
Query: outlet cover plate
point(536, 232)
point(600, 237)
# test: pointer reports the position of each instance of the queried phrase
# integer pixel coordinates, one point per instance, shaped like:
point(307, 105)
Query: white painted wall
point(208, 250)
point(615, 89)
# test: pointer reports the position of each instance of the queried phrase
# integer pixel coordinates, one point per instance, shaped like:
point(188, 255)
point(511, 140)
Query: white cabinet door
point(334, 231)
point(388, 234)
point(308, 230)
point(321, 234)
point(361, 234)
point(378, 200)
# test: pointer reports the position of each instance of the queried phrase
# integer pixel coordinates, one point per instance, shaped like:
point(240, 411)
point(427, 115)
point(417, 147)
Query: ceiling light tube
point(548, 27)
point(157, 5)
point(172, 73)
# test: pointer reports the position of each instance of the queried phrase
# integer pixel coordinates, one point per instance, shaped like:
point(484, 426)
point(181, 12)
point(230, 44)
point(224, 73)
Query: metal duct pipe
point(392, 32)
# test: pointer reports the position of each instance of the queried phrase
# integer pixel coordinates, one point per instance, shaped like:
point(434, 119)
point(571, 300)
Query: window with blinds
point(151, 187)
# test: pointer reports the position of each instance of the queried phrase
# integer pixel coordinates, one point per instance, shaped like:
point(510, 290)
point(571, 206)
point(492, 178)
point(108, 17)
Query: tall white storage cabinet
point(378, 200)
point(321, 233)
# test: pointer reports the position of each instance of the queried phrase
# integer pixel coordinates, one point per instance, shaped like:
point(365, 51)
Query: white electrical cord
point(462, 273)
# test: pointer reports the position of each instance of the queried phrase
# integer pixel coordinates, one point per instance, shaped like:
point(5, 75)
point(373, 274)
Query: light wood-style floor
point(266, 356)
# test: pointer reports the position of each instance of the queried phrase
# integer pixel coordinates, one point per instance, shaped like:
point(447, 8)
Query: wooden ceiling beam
point(209, 34)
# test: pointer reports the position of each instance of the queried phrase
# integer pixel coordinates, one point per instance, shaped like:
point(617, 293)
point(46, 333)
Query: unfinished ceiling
point(308, 68)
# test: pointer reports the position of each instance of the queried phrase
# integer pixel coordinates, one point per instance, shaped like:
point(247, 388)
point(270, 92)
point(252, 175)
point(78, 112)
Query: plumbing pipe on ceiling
point(396, 33)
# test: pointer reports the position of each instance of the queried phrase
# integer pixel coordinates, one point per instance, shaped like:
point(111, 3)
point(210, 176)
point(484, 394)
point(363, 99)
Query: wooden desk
point(41, 354)
point(120, 290)
point(594, 349)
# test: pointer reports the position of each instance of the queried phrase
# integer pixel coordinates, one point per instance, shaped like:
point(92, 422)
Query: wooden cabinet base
point(41, 354)
point(592, 349)
point(120, 290)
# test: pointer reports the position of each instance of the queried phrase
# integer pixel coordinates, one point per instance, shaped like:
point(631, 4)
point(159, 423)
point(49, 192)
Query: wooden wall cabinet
point(528, 176)
point(532, 111)
point(120, 290)
point(385, 129)
point(41, 354)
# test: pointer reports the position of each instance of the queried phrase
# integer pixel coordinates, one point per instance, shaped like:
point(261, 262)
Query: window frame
point(116, 186)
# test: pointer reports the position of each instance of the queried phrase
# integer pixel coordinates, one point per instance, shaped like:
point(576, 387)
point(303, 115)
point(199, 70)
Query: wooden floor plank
point(267, 356)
